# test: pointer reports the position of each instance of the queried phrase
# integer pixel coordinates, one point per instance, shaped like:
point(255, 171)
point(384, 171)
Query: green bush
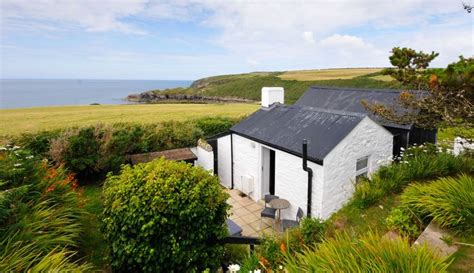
point(402, 221)
point(370, 253)
point(82, 154)
point(418, 163)
point(99, 149)
point(164, 216)
point(39, 215)
point(447, 201)
point(313, 230)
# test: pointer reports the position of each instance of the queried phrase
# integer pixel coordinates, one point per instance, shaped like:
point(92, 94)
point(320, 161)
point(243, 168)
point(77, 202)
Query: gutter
point(231, 161)
point(310, 177)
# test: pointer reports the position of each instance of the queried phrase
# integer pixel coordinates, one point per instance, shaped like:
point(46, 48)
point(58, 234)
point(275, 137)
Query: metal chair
point(268, 212)
point(286, 223)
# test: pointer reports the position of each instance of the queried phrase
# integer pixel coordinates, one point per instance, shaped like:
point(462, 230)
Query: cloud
point(308, 37)
point(88, 15)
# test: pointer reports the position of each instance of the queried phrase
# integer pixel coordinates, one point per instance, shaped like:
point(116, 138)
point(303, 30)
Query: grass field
point(29, 120)
point(327, 74)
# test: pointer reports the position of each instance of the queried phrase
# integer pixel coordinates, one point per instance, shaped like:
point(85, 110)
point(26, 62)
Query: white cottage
point(264, 154)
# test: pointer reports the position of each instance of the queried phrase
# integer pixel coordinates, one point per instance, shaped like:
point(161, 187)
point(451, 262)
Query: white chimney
point(270, 95)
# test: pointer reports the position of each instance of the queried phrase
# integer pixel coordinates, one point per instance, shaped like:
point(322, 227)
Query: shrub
point(82, 154)
point(447, 201)
point(313, 230)
point(370, 253)
point(402, 221)
point(99, 149)
point(164, 216)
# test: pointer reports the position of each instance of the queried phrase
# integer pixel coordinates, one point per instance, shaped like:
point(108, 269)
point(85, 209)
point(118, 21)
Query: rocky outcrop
point(157, 97)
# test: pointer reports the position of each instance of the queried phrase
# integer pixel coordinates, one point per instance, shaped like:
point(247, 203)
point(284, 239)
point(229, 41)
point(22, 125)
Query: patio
point(246, 213)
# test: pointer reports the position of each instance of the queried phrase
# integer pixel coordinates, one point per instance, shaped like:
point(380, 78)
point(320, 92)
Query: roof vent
point(270, 95)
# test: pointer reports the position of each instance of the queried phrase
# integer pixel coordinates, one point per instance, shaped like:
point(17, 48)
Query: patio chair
point(268, 212)
point(286, 223)
point(233, 228)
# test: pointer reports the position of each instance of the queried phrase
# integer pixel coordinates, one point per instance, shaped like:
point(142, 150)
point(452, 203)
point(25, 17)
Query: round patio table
point(279, 204)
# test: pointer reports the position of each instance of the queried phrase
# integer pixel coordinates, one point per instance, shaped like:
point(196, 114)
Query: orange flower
point(263, 261)
point(50, 189)
point(283, 247)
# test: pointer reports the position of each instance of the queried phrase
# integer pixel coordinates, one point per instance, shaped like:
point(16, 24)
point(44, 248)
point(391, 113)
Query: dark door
point(397, 144)
point(272, 172)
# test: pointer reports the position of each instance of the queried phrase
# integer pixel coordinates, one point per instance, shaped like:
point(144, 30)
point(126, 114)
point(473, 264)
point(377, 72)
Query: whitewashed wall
point(291, 183)
point(290, 178)
point(205, 158)
point(224, 160)
point(366, 139)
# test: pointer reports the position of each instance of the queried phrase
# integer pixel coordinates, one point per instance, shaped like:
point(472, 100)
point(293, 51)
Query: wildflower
point(280, 267)
point(402, 149)
point(29, 157)
point(257, 271)
point(16, 147)
point(17, 164)
point(234, 268)
point(282, 247)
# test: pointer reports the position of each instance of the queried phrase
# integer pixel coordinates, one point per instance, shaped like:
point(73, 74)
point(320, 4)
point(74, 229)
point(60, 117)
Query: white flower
point(3, 148)
point(234, 268)
point(257, 271)
point(17, 165)
point(403, 149)
point(280, 267)
point(16, 147)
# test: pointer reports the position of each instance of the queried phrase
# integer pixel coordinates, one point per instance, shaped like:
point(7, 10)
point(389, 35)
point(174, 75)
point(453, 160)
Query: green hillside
point(248, 86)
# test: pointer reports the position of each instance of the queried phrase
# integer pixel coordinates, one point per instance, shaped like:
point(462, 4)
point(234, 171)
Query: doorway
point(268, 171)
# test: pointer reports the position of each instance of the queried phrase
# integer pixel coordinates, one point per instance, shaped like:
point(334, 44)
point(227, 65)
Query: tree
point(434, 97)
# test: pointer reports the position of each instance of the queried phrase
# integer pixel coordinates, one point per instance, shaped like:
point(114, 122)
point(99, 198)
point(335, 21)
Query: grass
point(93, 247)
point(30, 120)
point(327, 74)
point(357, 221)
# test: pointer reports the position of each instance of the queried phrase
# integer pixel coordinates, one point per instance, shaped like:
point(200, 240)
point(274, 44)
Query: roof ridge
point(331, 111)
point(387, 90)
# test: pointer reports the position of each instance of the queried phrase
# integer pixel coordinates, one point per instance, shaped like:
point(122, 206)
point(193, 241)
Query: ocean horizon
point(24, 93)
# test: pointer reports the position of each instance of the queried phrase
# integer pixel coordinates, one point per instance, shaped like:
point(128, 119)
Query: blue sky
point(189, 39)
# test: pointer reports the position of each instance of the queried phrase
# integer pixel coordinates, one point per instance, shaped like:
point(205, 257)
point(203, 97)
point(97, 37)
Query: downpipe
point(310, 176)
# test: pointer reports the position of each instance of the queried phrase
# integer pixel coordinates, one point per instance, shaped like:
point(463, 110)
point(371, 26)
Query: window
point(362, 167)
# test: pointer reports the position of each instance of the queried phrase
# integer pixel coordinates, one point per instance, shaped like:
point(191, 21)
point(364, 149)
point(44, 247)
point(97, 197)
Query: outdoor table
point(279, 204)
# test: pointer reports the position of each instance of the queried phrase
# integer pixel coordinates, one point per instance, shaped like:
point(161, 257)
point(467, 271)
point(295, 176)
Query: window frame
point(363, 172)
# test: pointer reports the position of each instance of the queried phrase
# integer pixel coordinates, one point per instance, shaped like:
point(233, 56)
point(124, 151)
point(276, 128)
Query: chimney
point(270, 95)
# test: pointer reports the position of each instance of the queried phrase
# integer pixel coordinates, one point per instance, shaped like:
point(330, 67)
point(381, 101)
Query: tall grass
point(447, 201)
point(369, 253)
point(419, 163)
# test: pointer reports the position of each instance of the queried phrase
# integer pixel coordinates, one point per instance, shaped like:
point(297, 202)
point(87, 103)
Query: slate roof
point(349, 99)
point(284, 127)
point(184, 154)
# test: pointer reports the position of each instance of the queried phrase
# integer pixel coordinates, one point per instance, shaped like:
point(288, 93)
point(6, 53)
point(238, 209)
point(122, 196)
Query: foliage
point(82, 154)
point(418, 162)
point(39, 209)
point(235, 254)
point(102, 148)
point(164, 215)
point(369, 253)
point(449, 96)
point(447, 201)
point(313, 230)
point(402, 221)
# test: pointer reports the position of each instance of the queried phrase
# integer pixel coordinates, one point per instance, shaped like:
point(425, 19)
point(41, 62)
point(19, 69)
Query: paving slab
point(432, 236)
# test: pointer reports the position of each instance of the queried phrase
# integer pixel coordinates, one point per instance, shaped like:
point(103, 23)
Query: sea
point(16, 93)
